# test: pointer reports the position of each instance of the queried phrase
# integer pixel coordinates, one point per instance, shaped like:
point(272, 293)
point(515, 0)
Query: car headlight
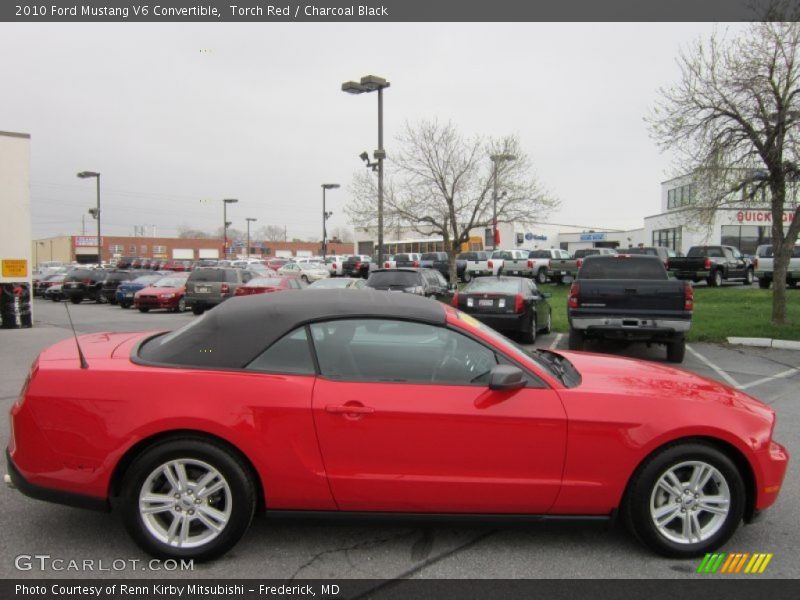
point(417, 289)
point(168, 296)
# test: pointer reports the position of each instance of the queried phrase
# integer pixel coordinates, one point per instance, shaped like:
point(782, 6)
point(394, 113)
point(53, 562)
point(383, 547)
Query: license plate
point(514, 272)
point(129, 295)
point(488, 302)
point(202, 289)
point(563, 272)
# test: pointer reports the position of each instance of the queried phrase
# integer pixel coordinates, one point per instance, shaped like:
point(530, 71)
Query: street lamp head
point(330, 186)
point(250, 219)
point(228, 223)
point(87, 174)
point(230, 200)
point(373, 82)
point(364, 156)
point(353, 87)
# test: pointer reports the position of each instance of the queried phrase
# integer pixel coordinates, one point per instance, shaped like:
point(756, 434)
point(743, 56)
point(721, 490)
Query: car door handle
point(356, 409)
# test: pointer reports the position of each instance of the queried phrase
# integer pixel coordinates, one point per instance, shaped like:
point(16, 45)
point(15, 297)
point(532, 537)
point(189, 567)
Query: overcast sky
point(177, 117)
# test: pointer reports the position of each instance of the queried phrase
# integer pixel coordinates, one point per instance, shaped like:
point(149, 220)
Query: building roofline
point(15, 134)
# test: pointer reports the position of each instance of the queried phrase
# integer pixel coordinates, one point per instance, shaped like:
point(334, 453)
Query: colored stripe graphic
point(735, 562)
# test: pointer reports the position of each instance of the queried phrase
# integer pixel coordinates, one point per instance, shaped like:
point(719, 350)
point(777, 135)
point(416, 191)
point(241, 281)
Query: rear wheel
point(144, 309)
point(715, 279)
point(198, 310)
point(188, 498)
point(548, 328)
point(685, 501)
point(529, 337)
point(576, 339)
point(676, 351)
point(466, 277)
point(75, 299)
point(181, 306)
point(763, 283)
point(541, 276)
point(124, 305)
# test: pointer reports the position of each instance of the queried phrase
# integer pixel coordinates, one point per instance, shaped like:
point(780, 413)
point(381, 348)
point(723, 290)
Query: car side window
point(390, 351)
point(290, 354)
point(728, 253)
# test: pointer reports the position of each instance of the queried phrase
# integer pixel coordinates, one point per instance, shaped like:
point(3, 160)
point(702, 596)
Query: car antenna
point(81, 357)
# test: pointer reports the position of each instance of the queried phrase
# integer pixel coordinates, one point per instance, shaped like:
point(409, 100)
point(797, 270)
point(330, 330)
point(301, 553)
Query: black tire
point(548, 328)
point(466, 277)
point(112, 301)
point(541, 276)
point(198, 310)
point(181, 306)
point(676, 351)
point(241, 499)
point(748, 277)
point(304, 279)
point(576, 339)
point(764, 283)
point(124, 305)
point(643, 490)
point(144, 309)
point(715, 279)
point(529, 337)
point(75, 299)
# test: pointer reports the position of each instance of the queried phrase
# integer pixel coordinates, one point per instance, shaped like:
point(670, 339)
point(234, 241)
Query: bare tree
point(184, 231)
point(732, 120)
point(442, 185)
point(343, 234)
point(271, 233)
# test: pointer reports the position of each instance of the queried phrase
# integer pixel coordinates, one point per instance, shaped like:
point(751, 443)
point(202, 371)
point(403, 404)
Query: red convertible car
point(382, 403)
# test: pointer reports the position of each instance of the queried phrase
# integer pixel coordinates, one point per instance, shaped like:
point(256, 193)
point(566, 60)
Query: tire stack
point(15, 305)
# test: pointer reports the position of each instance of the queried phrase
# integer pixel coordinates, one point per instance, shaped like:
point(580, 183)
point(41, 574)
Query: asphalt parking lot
point(284, 549)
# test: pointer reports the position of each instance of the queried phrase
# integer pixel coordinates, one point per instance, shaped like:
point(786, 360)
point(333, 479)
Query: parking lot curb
point(765, 343)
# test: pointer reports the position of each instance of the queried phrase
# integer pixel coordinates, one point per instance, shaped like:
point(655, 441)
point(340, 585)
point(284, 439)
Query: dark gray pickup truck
point(714, 264)
point(628, 297)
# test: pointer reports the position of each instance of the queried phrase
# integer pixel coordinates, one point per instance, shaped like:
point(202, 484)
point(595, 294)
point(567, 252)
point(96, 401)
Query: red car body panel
point(159, 297)
point(424, 448)
point(245, 290)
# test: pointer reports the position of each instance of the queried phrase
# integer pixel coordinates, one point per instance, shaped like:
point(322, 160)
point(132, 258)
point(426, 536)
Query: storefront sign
point(535, 236)
point(592, 237)
point(83, 241)
point(761, 216)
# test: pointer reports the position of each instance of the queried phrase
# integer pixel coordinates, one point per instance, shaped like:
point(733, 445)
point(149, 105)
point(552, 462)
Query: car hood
point(158, 291)
point(130, 286)
point(654, 382)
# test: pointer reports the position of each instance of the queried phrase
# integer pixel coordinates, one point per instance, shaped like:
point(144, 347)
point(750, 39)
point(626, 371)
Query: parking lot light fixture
point(96, 212)
point(325, 215)
point(249, 220)
point(373, 83)
point(497, 158)
point(225, 224)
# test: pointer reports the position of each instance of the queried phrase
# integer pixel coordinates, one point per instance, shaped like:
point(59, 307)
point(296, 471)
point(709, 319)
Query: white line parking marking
point(714, 367)
point(788, 373)
point(556, 341)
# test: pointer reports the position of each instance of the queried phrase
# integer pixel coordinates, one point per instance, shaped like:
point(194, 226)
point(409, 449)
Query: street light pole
point(372, 83)
point(96, 215)
point(249, 220)
point(496, 158)
point(325, 215)
point(225, 224)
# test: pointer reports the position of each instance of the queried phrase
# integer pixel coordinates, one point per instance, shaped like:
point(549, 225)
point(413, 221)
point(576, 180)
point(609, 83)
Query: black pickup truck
point(713, 264)
point(356, 266)
point(628, 297)
point(441, 262)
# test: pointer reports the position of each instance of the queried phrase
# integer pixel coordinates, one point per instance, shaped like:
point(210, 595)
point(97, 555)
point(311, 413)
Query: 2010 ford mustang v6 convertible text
point(382, 403)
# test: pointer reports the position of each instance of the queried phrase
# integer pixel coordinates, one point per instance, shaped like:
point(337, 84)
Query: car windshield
point(264, 282)
point(539, 254)
point(170, 282)
point(493, 285)
point(433, 256)
point(585, 252)
point(397, 278)
point(633, 267)
point(312, 265)
point(330, 283)
point(147, 279)
point(208, 275)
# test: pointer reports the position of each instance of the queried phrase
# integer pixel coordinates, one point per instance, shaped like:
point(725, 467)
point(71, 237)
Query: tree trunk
point(452, 252)
point(782, 253)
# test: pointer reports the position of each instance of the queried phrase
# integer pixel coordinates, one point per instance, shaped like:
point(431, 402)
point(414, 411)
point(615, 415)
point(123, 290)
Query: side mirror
point(506, 377)
point(547, 295)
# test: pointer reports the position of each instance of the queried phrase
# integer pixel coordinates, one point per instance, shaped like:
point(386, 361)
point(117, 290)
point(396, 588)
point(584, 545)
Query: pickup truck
point(405, 260)
point(763, 266)
point(477, 264)
point(356, 266)
point(509, 262)
point(713, 264)
point(441, 262)
point(629, 297)
point(563, 270)
point(540, 262)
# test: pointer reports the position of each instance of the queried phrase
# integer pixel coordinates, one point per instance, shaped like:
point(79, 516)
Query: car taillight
point(574, 289)
point(688, 296)
point(333, 265)
point(87, 281)
point(386, 265)
point(491, 264)
point(224, 288)
point(530, 264)
point(578, 263)
point(358, 265)
point(415, 263)
point(666, 264)
point(707, 264)
point(755, 263)
point(519, 303)
point(454, 301)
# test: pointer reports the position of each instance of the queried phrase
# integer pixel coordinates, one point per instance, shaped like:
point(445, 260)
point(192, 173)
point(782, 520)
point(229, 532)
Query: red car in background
point(276, 263)
point(167, 293)
point(379, 402)
point(265, 285)
point(177, 265)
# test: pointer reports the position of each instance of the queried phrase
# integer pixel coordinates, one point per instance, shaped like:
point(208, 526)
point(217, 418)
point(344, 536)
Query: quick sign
point(761, 216)
point(592, 237)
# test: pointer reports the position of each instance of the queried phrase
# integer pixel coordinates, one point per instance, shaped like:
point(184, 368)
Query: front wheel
point(304, 278)
point(763, 283)
point(197, 310)
point(748, 277)
point(548, 328)
point(75, 299)
point(144, 309)
point(181, 306)
point(715, 280)
point(685, 501)
point(188, 498)
point(529, 337)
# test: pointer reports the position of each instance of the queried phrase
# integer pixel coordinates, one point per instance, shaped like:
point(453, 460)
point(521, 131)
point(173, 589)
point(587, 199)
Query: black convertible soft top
point(235, 332)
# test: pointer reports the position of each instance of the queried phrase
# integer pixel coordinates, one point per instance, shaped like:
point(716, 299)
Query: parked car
point(510, 262)
point(440, 261)
point(335, 264)
point(55, 292)
point(126, 290)
point(763, 266)
point(205, 262)
point(126, 262)
point(357, 266)
point(422, 282)
point(540, 263)
point(404, 259)
point(663, 253)
point(298, 396)
point(177, 265)
point(306, 271)
point(349, 283)
point(477, 264)
point(275, 263)
point(629, 297)
point(112, 281)
point(563, 270)
point(80, 284)
point(265, 285)
point(209, 286)
point(510, 305)
point(713, 264)
point(41, 287)
point(168, 293)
